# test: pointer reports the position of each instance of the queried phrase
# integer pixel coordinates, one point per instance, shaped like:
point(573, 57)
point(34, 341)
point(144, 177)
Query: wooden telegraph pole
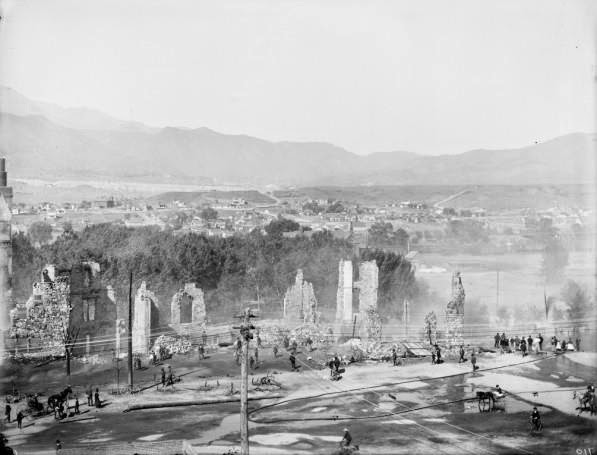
point(130, 337)
point(245, 335)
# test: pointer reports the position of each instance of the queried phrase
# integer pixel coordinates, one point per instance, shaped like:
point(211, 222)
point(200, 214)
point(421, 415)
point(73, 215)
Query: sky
point(426, 76)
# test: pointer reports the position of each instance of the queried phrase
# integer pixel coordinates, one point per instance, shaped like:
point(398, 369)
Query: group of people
point(522, 344)
point(167, 379)
point(436, 355)
point(93, 399)
point(20, 416)
point(563, 344)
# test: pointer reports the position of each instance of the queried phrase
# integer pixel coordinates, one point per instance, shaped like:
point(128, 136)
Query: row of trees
point(230, 271)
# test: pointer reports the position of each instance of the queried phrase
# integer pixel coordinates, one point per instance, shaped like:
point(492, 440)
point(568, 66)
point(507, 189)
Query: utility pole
point(497, 291)
point(130, 337)
point(245, 335)
point(354, 325)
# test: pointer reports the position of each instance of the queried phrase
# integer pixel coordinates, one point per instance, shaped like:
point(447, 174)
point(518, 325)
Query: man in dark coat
point(347, 438)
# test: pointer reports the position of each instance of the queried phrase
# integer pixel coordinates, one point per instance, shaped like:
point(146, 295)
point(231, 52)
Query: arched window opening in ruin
point(186, 309)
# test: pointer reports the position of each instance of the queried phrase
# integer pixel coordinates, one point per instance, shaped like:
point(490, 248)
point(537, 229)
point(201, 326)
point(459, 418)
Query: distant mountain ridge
point(43, 140)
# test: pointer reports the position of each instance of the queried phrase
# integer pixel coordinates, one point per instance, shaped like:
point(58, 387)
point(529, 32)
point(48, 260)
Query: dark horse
point(486, 401)
point(58, 399)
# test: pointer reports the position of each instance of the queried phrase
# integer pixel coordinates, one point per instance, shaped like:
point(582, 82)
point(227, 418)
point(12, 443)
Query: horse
point(58, 399)
point(586, 402)
point(486, 401)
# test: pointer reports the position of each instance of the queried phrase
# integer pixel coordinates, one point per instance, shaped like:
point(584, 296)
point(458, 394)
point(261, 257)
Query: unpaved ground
point(447, 424)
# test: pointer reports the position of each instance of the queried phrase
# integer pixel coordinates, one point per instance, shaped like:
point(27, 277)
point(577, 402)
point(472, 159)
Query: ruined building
point(63, 299)
point(187, 310)
point(368, 321)
point(5, 251)
point(187, 316)
point(300, 304)
point(146, 319)
point(455, 312)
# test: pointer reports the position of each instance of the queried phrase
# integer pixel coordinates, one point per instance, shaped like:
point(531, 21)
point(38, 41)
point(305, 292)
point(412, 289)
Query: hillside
point(44, 141)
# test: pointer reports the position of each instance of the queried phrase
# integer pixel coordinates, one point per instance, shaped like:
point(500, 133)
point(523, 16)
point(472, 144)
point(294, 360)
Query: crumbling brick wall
point(300, 304)
point(455, 313)
point(71, 298)
point(344, 294)
point(145, 319)
point(193, 296)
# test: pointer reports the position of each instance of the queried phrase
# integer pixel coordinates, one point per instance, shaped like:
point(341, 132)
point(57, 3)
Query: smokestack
point(3, 174)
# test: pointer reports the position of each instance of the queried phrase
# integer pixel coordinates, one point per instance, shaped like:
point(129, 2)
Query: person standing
point(474, 360)
point(275, 350)
point(496, 340)
point(577, 344)
point(77, 410)
point(163, 378)
point(394, 356)
point(346, 439)
point(540, 342)
point(292, 359)
point(98, 403)
point(89, 396)
point(523, 347)
point(20, 419)
point(7, 412)
point(461, 360)
point(529, 343)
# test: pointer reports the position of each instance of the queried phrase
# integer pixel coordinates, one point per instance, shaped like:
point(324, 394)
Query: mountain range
point(42, 140)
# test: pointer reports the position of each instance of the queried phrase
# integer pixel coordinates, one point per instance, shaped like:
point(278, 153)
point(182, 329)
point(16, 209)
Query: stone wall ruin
point(300, 304)
point(368, 319)
point(145, 319)
point(187, 310)
point(455, 313)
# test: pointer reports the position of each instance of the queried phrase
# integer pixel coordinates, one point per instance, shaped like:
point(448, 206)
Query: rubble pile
point(272, 335)
point(47, 314)
point(309, 331)
point(172, 344)
point(375, 350)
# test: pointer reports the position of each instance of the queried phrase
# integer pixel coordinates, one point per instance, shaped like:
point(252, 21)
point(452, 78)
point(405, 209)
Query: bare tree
point(69, 340)
point(431, 326)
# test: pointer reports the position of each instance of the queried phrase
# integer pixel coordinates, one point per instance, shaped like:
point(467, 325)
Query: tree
point(313, 207)
point(208, 214)
point(431, 327)
point(40, 232)
point(277, 227)
point(336, 207)
point(555, 258)
point(396, 280)
point(577, 299)
point(67, 228)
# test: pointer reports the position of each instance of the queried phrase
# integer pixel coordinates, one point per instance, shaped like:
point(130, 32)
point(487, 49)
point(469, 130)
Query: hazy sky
point(429, 76)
